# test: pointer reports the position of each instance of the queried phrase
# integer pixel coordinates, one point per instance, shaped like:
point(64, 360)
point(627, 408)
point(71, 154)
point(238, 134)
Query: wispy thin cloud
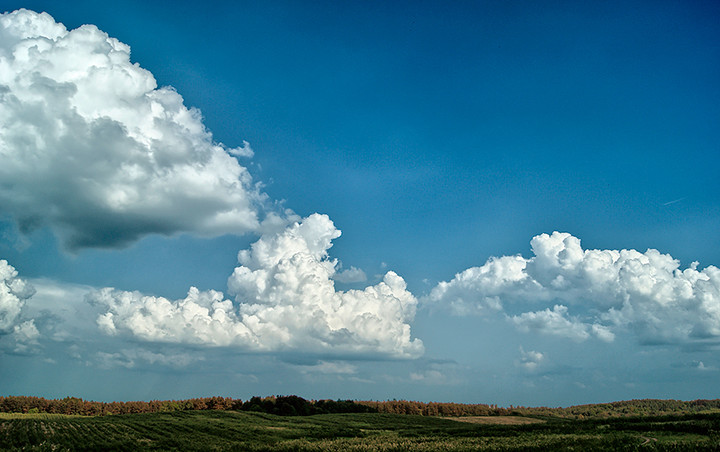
point(673, 201)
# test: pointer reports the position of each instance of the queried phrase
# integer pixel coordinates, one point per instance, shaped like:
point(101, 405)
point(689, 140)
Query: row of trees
point(640, 407)
point(297, 406)
point(75, 405)
point(627, 408)
point(281, 405)
point(437, 408)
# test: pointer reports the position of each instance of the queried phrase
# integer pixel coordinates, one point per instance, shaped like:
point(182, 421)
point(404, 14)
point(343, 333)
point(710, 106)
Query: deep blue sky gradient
point(437, 135)
point(453, 122)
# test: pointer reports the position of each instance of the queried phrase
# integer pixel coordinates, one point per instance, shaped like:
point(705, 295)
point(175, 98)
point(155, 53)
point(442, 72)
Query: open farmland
point(233, 430)
point(497, 420)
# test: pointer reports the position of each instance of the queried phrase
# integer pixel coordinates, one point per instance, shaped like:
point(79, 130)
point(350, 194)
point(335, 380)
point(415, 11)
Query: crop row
point(223, 430)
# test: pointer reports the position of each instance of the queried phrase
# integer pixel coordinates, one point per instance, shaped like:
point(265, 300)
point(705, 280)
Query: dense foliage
point(74, 405)
point(640, 407)
point(644, 407)
point(436, 408)
point(280, 405)
point(297, 406)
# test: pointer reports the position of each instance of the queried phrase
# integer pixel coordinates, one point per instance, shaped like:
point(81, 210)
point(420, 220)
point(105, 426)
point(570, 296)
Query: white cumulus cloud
point(530, 359)
point(13, 293)
point(25, 335)
point(285, 300)
point(607, 290)
point(556, 322)
point(93, 148)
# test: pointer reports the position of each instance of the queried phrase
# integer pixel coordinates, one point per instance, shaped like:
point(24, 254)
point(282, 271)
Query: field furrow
point(225, 431)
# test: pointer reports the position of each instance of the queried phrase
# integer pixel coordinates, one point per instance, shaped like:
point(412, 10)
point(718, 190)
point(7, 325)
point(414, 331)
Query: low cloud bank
point(608, 291)
point(91, 147)
point(285, 300)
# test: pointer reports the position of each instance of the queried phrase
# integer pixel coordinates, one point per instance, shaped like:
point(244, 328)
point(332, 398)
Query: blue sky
point(442, 140)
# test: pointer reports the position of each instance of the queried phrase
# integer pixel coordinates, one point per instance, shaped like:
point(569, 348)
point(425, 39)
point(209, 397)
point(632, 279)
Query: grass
point(499, 420)
point(231, 430)
point(37, 416)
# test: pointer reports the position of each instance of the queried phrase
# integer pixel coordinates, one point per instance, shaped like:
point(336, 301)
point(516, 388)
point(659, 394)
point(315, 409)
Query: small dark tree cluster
point(297, 406)
point(342, 406)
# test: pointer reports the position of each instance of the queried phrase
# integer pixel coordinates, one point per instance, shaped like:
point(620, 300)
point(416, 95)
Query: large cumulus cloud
point(21, 334)
point(13, 293)
point(646, 293)
point(285, 300)
point(93, 148)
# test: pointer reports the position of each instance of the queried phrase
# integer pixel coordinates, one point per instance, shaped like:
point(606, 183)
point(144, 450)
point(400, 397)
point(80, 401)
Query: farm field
point(234, 430)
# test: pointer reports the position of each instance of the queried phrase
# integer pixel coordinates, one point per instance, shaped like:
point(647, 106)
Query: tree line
point(297, 406)
point(628, 408)
point(436, 408)
point(280, 405)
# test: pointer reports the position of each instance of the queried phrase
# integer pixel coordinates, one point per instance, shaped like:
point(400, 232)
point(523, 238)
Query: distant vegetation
point(279, 405)
point(297, 406)
point(644, 407)
point(628, 408)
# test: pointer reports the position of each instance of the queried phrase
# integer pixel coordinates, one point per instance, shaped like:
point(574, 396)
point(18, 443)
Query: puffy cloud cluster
point(285, 300)
point(646, 293)
point(13, 293)
point(530, 359)
point(26, 336)
point(93, 148)
point(556, 322)
point(22, 334)
point(203, 317)
point(285, 284)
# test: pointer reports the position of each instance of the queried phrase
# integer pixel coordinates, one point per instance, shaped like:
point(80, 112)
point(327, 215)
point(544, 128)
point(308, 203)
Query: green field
point(232, 430)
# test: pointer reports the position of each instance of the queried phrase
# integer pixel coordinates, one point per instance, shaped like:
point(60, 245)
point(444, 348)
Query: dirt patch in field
point(498, 420)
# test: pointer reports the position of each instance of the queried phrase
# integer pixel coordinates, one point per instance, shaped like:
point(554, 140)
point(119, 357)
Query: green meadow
point(254, 431)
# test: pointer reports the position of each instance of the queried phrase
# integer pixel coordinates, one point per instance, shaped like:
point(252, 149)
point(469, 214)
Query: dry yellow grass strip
point(498, 420)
